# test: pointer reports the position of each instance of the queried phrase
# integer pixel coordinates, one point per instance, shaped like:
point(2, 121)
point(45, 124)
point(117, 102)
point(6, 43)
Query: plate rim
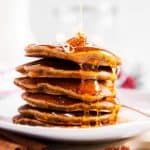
point(25, 129)
point(82, 134)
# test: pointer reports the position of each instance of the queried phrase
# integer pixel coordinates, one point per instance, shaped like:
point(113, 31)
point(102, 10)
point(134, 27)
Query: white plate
point(136, 124)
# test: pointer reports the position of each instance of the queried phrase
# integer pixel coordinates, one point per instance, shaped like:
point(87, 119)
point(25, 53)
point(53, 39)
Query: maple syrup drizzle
point(88, 86)
point(91, 87)
point(81, 16)
point(85, 119)
point(97, 110)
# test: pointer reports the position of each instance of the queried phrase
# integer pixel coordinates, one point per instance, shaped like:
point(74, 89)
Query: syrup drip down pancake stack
point(69, 86)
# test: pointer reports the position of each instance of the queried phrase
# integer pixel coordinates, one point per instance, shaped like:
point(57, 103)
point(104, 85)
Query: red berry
point(130, 82)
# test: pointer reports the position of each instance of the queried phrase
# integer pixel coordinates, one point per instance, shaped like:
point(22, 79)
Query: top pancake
point(59, 68)
point(79, 54)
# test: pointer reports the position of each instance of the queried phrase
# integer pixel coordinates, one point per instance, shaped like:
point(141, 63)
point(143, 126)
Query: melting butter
point(68, 48)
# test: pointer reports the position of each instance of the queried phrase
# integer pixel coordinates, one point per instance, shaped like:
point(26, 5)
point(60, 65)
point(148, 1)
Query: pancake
point(64, 103)
point(79, 54)
point(87, 91)
point(20, 119)
point(72, 85)
point(71, 118)
point(59, 68)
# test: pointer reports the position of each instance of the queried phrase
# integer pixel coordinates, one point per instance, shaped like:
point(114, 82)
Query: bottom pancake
point(20, 119)
point(71, 119)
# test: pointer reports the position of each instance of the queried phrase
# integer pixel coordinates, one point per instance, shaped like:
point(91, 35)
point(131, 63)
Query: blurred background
point(122, 26)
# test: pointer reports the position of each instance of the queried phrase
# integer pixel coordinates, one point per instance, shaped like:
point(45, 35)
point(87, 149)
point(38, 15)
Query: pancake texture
point(63, 103)
point(63, 118)
point(70, 85)
point(57, 68)
point(80, 54)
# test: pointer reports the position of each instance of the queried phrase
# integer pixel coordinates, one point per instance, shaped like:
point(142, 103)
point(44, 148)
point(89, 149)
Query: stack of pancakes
point(70, 85)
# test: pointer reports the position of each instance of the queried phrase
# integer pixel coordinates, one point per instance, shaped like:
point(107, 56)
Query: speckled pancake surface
point(20, 119)
point(64, 103)
point(70, 87)
point(59, 68)
point(71, 118)
point(80, 55)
